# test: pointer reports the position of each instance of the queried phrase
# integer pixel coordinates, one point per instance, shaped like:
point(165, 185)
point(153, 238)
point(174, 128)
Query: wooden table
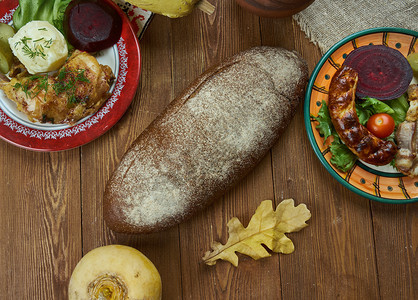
point(51, 203)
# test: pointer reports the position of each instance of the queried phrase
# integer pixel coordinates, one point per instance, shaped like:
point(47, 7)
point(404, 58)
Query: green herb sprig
point(66, 82)
point(37, 50)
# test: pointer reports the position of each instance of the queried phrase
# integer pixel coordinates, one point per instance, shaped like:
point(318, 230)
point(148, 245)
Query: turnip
point(115, 272)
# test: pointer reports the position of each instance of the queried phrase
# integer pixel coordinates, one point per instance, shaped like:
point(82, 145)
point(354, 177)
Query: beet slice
point(384, 73)
point(92, 25)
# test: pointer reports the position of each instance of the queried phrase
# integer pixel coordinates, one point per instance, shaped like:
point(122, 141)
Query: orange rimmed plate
point(383, 183)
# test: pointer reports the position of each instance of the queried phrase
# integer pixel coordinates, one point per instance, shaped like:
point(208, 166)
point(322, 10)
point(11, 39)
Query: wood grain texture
point(395, 237)
point(40, 222)
point(51, 203)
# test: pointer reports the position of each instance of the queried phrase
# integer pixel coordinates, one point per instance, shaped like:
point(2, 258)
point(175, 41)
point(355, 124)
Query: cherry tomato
point(381, 125)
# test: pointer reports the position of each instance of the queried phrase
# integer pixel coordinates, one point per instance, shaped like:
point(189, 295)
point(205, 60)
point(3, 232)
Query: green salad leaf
point(396, 108)
point(363, 114)
point(400, 106)
point(342, 157)
point(369, 106)
point(41, 10)
point(324, 126)
point(376, 106)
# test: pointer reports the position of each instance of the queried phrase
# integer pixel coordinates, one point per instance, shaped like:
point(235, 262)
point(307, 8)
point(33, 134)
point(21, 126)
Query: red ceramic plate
point(124, 59)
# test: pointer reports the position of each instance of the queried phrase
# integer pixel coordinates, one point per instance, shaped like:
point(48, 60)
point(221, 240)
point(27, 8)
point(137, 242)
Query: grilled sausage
point(341, 105)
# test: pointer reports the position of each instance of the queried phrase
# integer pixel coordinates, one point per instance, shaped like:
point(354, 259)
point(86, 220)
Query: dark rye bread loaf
point(205, 141)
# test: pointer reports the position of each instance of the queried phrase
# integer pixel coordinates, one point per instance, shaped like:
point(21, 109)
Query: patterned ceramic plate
point(384, 183)
point(124, 59)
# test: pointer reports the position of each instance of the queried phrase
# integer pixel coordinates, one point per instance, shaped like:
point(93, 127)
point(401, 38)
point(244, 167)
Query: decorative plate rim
point(308, 125)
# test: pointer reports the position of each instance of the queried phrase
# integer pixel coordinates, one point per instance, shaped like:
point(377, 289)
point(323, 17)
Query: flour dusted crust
point(205, 141)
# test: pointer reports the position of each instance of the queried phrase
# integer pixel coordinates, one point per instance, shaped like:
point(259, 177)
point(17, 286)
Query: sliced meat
point(412, 113)
point(404, 135)
point(413, 92)
point(406, 160)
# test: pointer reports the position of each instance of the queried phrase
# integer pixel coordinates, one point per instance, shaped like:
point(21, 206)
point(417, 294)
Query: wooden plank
point(223, 281)
point(39, 221)
point(395, 236)
point(336, 244)
point(208, 42)
point(51, 203)
point(102, 156)
point(331, 247)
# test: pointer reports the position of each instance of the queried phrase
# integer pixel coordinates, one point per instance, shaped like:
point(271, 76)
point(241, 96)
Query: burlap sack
point(326, 22)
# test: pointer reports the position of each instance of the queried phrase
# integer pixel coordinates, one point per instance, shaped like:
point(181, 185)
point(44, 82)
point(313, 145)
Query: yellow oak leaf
point(266, 227)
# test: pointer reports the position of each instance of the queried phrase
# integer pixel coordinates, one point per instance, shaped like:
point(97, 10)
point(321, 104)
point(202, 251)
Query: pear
point(115, 272)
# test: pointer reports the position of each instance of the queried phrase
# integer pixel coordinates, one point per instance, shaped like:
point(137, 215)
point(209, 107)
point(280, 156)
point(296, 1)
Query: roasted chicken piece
point(78, 89)
point(412, 113)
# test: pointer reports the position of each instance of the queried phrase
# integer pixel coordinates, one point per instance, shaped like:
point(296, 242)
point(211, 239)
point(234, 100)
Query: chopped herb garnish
point(72, 99)
point(43, 85)
point(37, 50)
point(48, 43)
point(81, 77)
point(17, 85)
point(66, 82)
point(24, 87)
point(34, 85)
point(25, 39)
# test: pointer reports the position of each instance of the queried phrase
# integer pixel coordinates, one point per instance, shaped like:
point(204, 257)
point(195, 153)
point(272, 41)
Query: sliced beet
point(384, 73)
point(92, 25)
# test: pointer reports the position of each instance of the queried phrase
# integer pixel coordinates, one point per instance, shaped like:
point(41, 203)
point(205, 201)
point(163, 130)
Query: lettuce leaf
point(41, 10)
point(324, 126)
point(363, 114)
point(342, 157)
point(396, 108)
point(376, 106)
point(400, 106)
point(369, 106)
